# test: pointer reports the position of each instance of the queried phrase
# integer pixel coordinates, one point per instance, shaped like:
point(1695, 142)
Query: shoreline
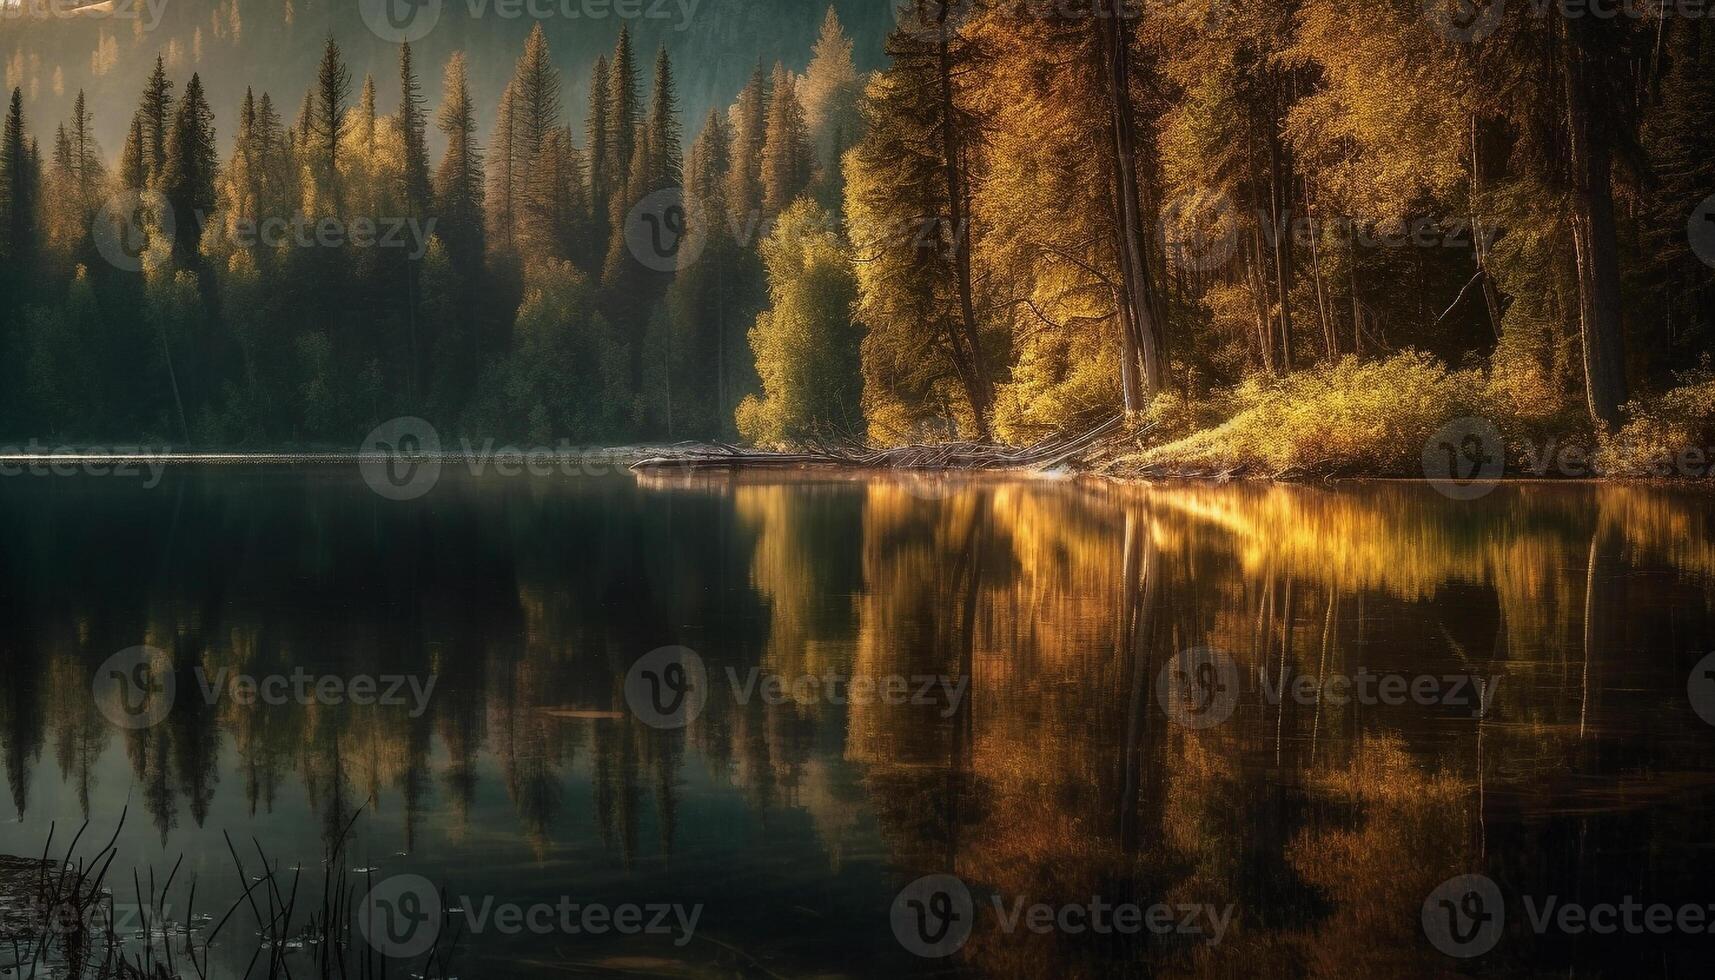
point(664, 469)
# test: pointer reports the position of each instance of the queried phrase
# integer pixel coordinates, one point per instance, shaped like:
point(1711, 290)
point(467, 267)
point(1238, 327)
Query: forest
point(1286, 235)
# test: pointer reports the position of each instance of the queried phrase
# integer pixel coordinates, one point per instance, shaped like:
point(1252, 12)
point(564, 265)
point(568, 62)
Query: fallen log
point(1056, 450)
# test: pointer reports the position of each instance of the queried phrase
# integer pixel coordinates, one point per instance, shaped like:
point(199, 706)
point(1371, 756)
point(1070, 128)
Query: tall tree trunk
point(1280, 200)
point(978, 386)
point(1593, 235)
point(1134, 269)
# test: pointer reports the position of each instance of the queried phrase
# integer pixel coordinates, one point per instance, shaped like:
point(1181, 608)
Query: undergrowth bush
point(1353, 416)
point(1659, 430)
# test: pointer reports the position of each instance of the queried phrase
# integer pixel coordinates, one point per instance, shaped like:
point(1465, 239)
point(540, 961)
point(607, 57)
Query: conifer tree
point(788, 161)
point(188, 180)
point(327, 122)
point(596, 137)
point(156, 111)
point(418, 191)
point(749, 133)
point(666, 133)
point(459, 178)
point(622, 113)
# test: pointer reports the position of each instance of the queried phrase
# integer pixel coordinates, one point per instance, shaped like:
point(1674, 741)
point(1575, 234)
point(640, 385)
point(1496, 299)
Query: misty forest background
point(1280, 234)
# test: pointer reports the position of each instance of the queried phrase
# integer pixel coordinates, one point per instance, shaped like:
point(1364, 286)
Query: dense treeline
point(1034, 215)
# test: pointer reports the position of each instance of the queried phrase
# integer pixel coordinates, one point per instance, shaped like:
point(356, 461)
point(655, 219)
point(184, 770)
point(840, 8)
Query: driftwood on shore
point(1057, 450)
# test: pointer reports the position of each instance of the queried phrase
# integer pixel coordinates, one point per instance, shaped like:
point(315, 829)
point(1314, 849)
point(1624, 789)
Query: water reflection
point(1056, 777)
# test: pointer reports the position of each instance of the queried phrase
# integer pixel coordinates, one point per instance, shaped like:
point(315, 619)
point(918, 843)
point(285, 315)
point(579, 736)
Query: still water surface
point(1060, 759)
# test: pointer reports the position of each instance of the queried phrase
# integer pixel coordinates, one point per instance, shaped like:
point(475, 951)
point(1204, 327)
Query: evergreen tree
point(504, 175)
point(666, 133)
point(788, 161)
point(459, 178)
point(418, 191)
point(749, 133)
point(622, 117)
point(18, 184)
point(189, 178)
point(156, 111)
point(596, 137)
point(830, 93)
point(327, 121)
point(133, 160)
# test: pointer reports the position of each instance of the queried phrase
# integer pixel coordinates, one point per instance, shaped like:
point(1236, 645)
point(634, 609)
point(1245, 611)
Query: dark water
point(1075, 762)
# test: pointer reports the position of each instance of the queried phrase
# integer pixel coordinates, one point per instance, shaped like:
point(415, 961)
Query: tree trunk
point(1134, 269)
point(978, 387)
point(1593, 235)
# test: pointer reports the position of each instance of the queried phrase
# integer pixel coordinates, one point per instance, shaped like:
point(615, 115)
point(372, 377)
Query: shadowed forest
point(1282, 235)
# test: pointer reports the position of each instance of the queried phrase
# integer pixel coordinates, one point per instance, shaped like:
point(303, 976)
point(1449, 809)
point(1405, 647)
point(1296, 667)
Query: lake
point(758, 725)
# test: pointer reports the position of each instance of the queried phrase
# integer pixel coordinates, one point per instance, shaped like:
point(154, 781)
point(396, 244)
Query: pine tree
point(503, 178)
point(459, 179)
point(364, 118)
point(536, 90)
point(133, 160)
point(666, 134)
point(188, 180)
point(788, 161)
point(418, 192)
point(327, 124)
point(749, 133)
point(18, 200)
point(88, 171)
point(596, 144)
point(156, 111)
point(830, 92)
point(622, 114)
